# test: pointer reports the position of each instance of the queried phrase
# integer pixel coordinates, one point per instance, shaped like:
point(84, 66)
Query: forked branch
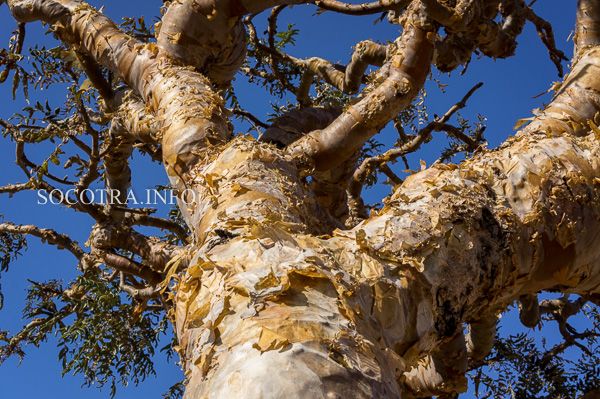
point(408, 67)
point(390, 156)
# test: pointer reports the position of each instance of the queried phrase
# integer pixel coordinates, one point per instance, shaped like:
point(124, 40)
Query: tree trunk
point(277, 303)
point(270, 309)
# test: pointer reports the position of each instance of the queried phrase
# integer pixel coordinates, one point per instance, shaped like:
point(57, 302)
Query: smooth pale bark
point(205, 34)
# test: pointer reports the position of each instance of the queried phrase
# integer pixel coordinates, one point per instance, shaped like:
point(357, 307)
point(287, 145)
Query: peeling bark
point(330, 186)
point(190, 114)
point(362, 307)
point(205, 34)
point(277, 301)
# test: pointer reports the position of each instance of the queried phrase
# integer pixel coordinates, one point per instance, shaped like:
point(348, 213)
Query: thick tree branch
point(587, 32)
point(15, 188)
point(155, 253)
point(164, 224)
point(126, 265)
point(329, 186)
point(350, 312)
point(408, 67)
point(471, 25)
point(441, 372)
point(116, 163)
point(206, 35)
point(529, 310)
point(140, 294)
point(139, 124)
point(522, 219)
point(368, 165)
point(190, 113)
point(350, 78)
point(480, 339)
point(363, 8)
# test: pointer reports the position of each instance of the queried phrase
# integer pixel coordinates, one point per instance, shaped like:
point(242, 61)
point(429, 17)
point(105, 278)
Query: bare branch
point(361, 9)
point(439, 124)
point(155, 253)
point(24, 163)
point(14, 344)
point(330, 186)
point(347, 79)
point(544, 30)
point(480, 339)
point(294, 124)
point(529, 310)
point(274, 57)
point(442, 372)
point(139, 294)
point(116, 163)
point(15, 188)
point(49, 236)
point(139, 123)
point(274, 54)
point(126, 265)
point(212, 38)
point(593, 394)
point(171, 88)
point(164, 224)
point(249, 116)
point(560, 310)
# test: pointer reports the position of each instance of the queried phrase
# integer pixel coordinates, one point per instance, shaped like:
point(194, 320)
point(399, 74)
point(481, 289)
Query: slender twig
point(252, 118)
point(544, 30)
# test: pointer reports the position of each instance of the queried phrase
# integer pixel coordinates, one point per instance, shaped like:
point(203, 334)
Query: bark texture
point(279, 301)
point(275, 312)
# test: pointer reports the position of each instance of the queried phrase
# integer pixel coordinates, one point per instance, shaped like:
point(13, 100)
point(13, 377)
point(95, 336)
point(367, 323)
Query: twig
point(545, 32)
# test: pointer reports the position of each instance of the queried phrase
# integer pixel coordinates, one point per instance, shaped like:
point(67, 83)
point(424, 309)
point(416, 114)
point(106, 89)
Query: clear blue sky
point(508, 95)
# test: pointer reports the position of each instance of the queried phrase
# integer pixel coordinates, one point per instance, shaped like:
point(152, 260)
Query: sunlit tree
point(278, 279)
